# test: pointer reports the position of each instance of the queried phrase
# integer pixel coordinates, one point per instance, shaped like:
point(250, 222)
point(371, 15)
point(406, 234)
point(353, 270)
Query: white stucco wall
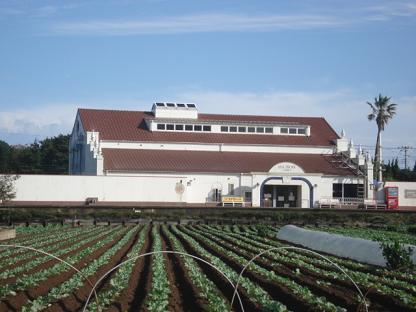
point(154, 187)
point(105, 188)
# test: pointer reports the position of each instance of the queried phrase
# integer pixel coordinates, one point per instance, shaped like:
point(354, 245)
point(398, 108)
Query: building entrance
point(282, 196)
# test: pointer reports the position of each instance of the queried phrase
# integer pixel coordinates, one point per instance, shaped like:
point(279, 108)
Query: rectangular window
point(170, 127)
point(189, 127)
point(247, 196)
point(161, 127)
point(224, 129)
point(230, 189)
point(216, 195)
point(260, 130)
point(197, 128)
point(301, 131)
point(283, 130)
point(241, 129)
point(178, 127)
point(233, 129)
point(190, 105)
point(170, 104)
point(206, 128)
point(269, 130)
point(160, 104)
point(251, 129)
point(180, 105)
point(336, 190)
point(292, 130)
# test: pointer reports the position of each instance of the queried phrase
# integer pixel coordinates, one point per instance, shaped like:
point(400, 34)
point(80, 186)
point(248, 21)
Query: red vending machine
point(392, 197)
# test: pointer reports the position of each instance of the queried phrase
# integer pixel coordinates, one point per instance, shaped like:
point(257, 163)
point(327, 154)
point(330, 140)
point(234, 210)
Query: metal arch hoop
point(166, 252)
point(56, 258)
point(298, 248)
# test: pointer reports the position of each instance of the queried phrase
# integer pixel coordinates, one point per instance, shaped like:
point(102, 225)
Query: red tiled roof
point(130, 126)
point(214, 162)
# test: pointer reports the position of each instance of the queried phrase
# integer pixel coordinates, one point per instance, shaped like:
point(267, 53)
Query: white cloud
point(233, 22)
point(40, 122)
point(343, 109)
point(197, 23)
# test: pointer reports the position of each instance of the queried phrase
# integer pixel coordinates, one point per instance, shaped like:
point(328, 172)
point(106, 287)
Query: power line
point(406, 151)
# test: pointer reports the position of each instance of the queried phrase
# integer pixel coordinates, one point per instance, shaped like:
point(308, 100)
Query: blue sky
point(306, 58)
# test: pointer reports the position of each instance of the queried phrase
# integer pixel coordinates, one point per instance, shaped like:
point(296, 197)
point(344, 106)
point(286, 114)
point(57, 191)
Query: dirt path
point(76, 301)
point(184, 293)
point(220, 282)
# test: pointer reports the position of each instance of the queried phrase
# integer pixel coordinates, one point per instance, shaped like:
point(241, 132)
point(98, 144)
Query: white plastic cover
point(358, 249)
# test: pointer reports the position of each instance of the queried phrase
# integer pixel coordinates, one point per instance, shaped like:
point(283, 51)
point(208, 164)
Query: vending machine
point(392, 197)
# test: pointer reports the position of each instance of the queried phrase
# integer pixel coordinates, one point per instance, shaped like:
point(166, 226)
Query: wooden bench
point(233, 201)
point(329, 203)
point(373, 204)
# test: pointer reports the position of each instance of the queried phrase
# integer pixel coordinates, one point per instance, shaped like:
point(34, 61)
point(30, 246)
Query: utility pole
point(405, 149)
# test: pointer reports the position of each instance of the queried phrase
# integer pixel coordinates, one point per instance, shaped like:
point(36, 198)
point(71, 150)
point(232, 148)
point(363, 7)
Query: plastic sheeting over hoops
point(358, 249)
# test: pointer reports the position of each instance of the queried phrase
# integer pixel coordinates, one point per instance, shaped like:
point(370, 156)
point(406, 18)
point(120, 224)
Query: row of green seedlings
point(120, 280)
point(77, 280)
point(26, 281)
point(302, 292)
point(207, 289)
point(57, 249)
point(391, 279)
point(388, 275)
point(257, 294)
point(383, 285)
point(36, 241)
point(33, 229)
point(157, 299)
point(350, 264)
point(249, 252)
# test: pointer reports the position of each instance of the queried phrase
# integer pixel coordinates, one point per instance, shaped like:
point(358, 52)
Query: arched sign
point(286, 167)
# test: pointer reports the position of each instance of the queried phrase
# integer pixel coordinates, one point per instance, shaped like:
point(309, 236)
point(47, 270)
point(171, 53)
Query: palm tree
point(382, 112)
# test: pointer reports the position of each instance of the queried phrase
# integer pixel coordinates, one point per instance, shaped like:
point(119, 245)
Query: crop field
point(279, 280)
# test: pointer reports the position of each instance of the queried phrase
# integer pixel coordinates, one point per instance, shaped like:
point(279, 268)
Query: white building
point(174, 154)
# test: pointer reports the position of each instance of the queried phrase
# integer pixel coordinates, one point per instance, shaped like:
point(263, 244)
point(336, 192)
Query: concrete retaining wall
point(7, 234)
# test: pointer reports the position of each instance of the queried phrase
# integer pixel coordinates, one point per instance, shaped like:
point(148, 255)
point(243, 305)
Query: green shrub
point(263, 230)
point(411, 229)
point(397, 256)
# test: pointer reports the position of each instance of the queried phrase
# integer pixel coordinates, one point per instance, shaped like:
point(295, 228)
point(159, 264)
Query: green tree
point(414, 167)
point(382, 112)
point(7, 192)
point(5, 154)
point(388, 171)
point(395, 168)
point(54, 155)
point(47, 156)
point(26, 159)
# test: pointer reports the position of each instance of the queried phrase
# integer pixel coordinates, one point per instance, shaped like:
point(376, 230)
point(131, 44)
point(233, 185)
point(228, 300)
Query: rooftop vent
point(175, 110)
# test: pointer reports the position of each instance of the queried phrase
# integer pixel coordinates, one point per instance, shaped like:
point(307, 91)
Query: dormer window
point(183, 117)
